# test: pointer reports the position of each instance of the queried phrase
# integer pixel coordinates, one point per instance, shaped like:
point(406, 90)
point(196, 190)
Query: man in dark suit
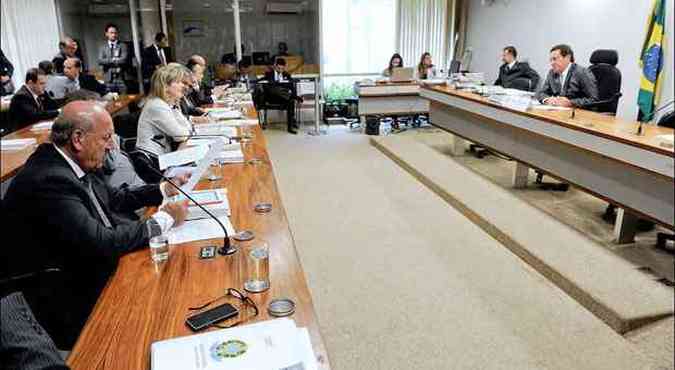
point(6, 72)
point(24, 344)
point(67, 49)
point(72, 80)
point(514, 74)
point(31, 104)
point(567, 83)
point(67, 219)
point(280, 89)
point(154, 56)
point(113, 58)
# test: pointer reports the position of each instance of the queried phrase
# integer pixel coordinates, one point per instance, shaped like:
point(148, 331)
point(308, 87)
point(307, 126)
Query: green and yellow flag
point(651, 60)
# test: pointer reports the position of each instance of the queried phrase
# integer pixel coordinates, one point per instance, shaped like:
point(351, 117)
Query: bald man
point(65, 219)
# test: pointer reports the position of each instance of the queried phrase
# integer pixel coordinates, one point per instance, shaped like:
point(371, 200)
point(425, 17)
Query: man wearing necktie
point(280, 89)
point(567, 83)
point(154, 56)
point(71, 221)
point(112, 57)
point(515, 74)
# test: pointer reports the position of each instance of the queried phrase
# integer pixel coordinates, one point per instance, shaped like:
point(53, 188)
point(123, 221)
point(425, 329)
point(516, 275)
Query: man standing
point(514, 74)
point(68, 221)
point(30, 104)
point(67, 49)
point(112, 57)
point(154, 56)
point(567, 83)
point(6, 72)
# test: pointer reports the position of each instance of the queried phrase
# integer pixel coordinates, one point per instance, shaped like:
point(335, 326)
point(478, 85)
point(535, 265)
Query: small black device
point(207, 318)
point(207, 252)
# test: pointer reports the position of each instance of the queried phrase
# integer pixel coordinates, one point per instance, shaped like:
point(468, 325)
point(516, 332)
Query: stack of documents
point(231, 156)
point(214, 200)
point(42, 126)
point(270, 345)
point(183, 156)
point(519, 103)
point(222, 114)
point(16, 144)
point(200, 229)
point(215, 129)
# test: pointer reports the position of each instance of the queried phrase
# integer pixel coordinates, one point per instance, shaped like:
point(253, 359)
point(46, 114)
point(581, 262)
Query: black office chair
point(145, 165)
point(261, 58)
point(608, 78)
point(126, 127)
point(265, 98)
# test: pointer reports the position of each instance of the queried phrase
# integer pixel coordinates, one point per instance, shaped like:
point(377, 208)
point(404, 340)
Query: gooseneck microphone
point(227, 248)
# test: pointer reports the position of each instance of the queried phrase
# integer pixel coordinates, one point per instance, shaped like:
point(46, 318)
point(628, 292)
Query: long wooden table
point(144, 302)
point(600, 154)
point(13, 161)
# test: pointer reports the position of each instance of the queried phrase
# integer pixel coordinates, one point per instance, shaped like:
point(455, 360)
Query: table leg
point(625, 227)
point(520, 175)
point(458, 145)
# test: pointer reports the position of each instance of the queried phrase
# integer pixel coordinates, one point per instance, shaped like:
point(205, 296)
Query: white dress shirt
point(563, 77)
point(163, 219)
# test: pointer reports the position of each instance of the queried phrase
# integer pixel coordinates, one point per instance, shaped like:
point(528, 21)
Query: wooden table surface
point(12, 161)
point(145, 302)
point(609, 127)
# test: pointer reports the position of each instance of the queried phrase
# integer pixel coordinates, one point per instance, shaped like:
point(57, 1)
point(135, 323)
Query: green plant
point(338, 92)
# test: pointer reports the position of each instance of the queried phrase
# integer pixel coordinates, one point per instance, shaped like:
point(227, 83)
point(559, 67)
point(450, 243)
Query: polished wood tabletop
point(13, 160)
point(145, 302)
point(609, 127)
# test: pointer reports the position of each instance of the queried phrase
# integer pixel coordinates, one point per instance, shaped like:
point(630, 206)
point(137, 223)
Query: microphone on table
point(227, 248)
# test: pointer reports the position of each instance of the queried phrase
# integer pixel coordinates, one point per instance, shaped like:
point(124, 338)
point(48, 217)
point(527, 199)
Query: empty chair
point(608, 77)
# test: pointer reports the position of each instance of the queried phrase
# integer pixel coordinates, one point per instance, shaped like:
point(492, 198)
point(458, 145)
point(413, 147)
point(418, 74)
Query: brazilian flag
point(651, 60)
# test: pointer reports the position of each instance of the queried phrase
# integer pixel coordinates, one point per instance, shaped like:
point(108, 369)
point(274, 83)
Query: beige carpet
point(401, 280)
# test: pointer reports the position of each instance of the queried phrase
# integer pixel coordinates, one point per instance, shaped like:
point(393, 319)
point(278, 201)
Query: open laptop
point(402, 75)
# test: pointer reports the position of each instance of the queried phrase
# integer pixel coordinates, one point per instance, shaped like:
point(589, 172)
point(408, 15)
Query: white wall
point(534, 26)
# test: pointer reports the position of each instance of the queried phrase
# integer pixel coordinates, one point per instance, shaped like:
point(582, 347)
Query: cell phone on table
point(207, 318)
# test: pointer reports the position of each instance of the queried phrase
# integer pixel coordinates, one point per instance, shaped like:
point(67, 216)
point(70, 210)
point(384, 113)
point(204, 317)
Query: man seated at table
point(72, 80)
point(67, 49)
point(31, 104)
point(245, 73)
point(514, 74)
point(567, 83)
point(281, 90)
point(63, 217)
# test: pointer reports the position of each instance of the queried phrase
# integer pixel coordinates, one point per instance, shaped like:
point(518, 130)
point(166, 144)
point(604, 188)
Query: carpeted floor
point(401, 280)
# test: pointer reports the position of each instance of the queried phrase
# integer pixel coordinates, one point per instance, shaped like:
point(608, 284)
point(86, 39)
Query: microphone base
point(227, 250)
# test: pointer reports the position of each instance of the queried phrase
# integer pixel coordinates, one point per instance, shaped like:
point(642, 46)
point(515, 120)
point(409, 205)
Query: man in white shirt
point(67, 218)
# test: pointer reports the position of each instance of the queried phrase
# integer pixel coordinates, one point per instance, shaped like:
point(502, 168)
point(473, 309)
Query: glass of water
point(159, 248)
point(257, 267)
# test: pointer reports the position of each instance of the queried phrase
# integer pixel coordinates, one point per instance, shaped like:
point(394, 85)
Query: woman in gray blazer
point(161, 123)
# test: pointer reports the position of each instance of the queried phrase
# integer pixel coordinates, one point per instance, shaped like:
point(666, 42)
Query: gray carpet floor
point(400, 280)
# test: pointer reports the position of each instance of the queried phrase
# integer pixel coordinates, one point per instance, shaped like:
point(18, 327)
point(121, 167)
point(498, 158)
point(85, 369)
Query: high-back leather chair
point(608, 77)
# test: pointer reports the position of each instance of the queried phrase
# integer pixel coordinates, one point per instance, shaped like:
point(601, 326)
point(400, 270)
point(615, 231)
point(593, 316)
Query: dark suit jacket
point(89, 82)
point(24, 110)
point(58, 61)
point(580, 86)
point(521, 77)
point(190, 103)
point(47, 210)
point(6, 69)
point(151, 60)
point(24, 344)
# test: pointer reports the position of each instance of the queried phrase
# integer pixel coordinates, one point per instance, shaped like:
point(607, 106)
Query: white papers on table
point(271, 345)
point(201, 229)
point(240, 122)
point(435, 81)
point(231, 156)
point(183, 156)
point(178, 171)
point(47, 125)
point(666, 140)
point(221, 114)
point(16, 144)
point(519, 103)
point(214, 200)
point(206, 140)
point(212, 150)
point(548, 107)
point(215, 129)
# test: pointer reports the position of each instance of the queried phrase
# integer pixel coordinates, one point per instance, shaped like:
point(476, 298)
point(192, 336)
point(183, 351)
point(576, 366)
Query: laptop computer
point(402, 75)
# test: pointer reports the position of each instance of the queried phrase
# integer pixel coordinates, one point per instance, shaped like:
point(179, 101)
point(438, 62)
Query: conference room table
point(600, 154)
point(146, 302)
point(13, 160)
point(391, 98)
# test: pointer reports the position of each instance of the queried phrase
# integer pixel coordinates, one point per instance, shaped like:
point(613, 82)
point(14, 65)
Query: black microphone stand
point(227, 248)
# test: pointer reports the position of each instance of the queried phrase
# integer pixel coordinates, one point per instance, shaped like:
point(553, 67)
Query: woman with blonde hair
point(161, 124)
point(426, 69)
